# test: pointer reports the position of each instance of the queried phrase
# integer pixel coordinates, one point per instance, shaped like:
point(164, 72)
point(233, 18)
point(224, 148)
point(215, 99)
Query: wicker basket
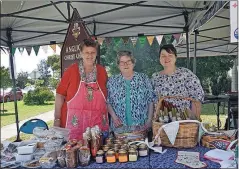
point(187, 135)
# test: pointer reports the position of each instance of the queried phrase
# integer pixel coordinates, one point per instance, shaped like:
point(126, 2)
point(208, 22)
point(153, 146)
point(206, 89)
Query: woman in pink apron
point(85, 100)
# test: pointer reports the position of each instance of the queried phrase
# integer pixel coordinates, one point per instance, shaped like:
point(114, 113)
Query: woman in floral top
point(176, 81)
point(130, 96)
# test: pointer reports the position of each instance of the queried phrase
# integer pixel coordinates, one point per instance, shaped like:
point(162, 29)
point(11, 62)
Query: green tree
point(22, 79)
point(43, 69)
point(54, 61)
point(5, 77)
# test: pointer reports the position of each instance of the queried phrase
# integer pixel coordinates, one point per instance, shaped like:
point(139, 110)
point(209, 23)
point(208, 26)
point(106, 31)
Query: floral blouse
point(182, 83)
point(141, 94)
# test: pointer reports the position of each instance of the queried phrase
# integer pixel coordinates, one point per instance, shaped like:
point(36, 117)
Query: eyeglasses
point(129, 62)
point(89, 53)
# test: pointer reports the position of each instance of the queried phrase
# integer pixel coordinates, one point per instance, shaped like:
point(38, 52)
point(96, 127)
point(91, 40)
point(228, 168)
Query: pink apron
point(86, 109)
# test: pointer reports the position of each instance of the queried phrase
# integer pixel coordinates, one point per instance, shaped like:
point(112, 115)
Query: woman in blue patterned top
point(130, 96)
point(176, 81)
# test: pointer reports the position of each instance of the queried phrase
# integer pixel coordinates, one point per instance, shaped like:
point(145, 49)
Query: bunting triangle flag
point(21, 50)
point(159, 39)
point(171, 131)
point(134, 40)
point(53, 46)
point(142, 40)
point(100, 40)
point(125, 40)
point(45, 48)
point(150, 39)
point(163, 42)
point(13, 51)
point(36, 49)
point(168, 39)
point(174, 42)
point(108, 40)
point(29, 49)
point(177, 36)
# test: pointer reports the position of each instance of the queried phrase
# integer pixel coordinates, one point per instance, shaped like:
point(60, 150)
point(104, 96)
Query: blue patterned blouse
point(141, 95)
point(182, 83)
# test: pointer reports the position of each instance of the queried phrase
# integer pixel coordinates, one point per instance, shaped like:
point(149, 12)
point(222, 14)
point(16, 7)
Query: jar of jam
point(100, 157)
point(110, 156)
point(143, 150)
point(133, 155)
point(116, 146)
point(109, 141)
point(123, 156)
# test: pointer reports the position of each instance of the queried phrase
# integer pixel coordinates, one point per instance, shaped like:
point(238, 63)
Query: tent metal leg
point(9, 36)
point(195, 51)
point(187, 42)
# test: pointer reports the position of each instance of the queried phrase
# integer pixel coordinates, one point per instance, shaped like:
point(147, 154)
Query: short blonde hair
point(125, 53)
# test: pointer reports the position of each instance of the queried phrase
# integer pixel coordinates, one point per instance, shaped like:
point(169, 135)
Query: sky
point(25, 62)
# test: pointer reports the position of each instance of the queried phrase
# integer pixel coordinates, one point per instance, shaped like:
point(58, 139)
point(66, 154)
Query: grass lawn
point(209, 114)
point(24, 111)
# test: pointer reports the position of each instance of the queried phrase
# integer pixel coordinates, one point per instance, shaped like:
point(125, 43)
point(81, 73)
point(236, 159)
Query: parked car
point(27, 89)
point(8, 94)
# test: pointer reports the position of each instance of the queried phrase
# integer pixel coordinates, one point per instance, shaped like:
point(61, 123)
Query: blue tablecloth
point(167, 160)
point(156, 160)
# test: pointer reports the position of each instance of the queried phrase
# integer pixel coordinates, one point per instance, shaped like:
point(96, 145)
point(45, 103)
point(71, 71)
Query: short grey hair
point(125, 53)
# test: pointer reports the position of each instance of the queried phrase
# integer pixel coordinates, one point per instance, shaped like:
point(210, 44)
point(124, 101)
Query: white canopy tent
point(30, 23)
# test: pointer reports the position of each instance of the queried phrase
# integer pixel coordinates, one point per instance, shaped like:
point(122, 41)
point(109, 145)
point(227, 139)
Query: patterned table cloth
point(156, 160)
point(167, 160)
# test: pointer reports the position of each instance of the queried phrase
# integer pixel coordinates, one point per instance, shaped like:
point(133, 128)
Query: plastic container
point(28, 149)
point(24, 158)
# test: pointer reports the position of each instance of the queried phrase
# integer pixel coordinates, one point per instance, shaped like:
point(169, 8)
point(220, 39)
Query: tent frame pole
point(186, 29)
point(195, 52)
point(9, 36)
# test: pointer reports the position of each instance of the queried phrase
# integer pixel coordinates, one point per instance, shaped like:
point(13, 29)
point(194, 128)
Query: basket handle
point(195, 102)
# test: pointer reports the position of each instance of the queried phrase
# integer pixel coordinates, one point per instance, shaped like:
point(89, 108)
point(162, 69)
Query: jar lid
point(132, 150)
point(142, 145)
point(123, 151)
point(110, 152)
point(106, 148)
point(100, 152)
point(134, 146)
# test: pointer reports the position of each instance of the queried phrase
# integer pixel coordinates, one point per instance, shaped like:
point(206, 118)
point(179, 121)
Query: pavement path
point(11, 129)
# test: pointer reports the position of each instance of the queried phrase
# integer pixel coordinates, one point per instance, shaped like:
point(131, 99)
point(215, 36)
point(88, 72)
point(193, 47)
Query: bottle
point(133, 155)
point(110, 156)
point(100, 157)
point(143, 150)
point(123, 156)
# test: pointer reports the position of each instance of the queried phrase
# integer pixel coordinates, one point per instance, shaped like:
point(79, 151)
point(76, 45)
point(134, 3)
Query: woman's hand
point(117, 121)
point(57, 123)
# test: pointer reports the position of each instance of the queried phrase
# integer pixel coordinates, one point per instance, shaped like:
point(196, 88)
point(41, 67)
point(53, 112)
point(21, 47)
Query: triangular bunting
point(108, 40)
point(53, 46)
point(168, 38)
point(29, 49)
point(142, 40)
point(159, 39)
point(116, 40)
point(134, 40)
point(174, 42)
point(125, 39)
point(13, 51)
point(150, 39)
point(36, 49)
point(45, 48)
point(100, 40)
point(8, 50)
point(177, 36)
point(21, 50)
point(171, 131)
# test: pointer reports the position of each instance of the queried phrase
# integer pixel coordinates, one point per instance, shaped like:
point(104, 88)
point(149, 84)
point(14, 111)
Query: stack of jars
point(118, 150)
